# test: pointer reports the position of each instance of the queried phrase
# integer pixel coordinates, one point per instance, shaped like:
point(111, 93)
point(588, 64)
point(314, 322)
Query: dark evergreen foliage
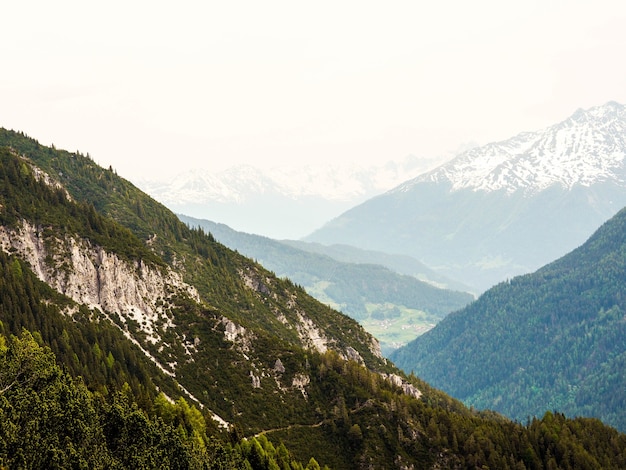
point(49, 420)
point(555, 339)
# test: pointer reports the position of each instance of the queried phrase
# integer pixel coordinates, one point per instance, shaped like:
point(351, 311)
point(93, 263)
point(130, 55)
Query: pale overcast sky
point(154, 88)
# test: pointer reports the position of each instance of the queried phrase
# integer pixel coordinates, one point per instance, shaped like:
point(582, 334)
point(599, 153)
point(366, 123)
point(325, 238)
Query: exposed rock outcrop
point(256, 380)
point(88, 274)
point(279, 367)
point(237, 334)
point(300, 381)
point(310, 334)
point(407, 388)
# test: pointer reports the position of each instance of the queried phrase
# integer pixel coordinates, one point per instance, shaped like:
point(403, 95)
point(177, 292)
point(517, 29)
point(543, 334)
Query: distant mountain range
point(502, 209)
point(387, 298)
point(554, 339)
point(280, 202)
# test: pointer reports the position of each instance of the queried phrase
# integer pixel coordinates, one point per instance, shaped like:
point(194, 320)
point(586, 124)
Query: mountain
point(129, 340)
point(402, 264)
point(554, 339)
point(502, 209)
point(395, 308)
point(285, 201)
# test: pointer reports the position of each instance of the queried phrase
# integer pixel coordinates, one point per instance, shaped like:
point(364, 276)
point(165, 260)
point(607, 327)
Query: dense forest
point(80, 390)
point(554, 339)
point(50, 420)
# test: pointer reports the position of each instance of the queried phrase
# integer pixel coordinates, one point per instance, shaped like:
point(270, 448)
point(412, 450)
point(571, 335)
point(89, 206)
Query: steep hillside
point(172, 348)
point(554, 339)
point(503, 209)
point(52, 420)
point(395, 308)
point(224, 280)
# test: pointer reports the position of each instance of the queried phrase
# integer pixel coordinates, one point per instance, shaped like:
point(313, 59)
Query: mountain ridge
point(394, 307)
point(300, 198)
point(494, 212)
point(557, 333)
point(342, 182)
point(533, 161)
point(78, 391)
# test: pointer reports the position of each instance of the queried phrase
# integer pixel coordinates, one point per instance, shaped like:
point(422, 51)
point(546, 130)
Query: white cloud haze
point(148, 86)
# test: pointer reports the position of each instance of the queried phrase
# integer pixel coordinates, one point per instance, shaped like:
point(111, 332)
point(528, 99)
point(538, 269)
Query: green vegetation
point(50, 420)
point(366, 292)
point(395, 325)
point(401, 264)
point(555, 339)
point(22, 196)
point(87, 346)
point(81, 389)
point(213, 269)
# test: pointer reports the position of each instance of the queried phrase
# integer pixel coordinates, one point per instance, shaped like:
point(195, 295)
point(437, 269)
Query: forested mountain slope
point(170, 349)
point(395, 308)
point(554, 339)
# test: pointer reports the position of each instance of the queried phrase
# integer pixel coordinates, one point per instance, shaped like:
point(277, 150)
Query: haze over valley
point(489, 214)
point(502, 209)
point(103, 279)
point(284, 202)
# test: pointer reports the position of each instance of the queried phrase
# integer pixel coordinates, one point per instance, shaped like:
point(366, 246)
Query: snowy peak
point(588, 147)
point(231, 185)
point(608, 113)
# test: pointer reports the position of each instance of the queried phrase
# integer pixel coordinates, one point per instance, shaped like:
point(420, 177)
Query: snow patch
point(332, 182)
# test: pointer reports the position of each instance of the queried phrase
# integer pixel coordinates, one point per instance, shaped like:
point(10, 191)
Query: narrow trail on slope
point(292, 426)
point(358, 408)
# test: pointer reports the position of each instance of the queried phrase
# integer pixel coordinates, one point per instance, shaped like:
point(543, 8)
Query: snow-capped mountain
point(197, 185)
point(588, 147)
point(504, 208)
point(284, 201)
point(331, 182)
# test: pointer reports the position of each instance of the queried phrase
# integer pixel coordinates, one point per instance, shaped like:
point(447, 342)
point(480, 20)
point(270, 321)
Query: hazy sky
point(154, 87)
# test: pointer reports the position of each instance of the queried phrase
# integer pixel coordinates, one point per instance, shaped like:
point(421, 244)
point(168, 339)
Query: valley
point(555, 337)
point(392, 306)
point(313, 235)
point(180, 351)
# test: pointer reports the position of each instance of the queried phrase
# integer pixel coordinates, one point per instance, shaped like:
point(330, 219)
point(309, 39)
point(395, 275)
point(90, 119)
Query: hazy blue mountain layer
point(503, 209)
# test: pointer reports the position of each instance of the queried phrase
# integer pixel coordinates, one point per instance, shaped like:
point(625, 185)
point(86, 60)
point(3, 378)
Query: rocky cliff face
point(220, 329)
point(131, 291)
point(138, 296)
point(311, 334)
